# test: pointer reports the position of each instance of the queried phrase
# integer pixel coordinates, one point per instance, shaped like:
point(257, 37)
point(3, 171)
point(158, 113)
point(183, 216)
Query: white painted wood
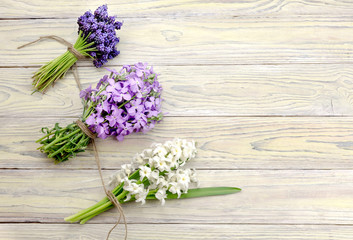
point(268, 197)
point(223, 142)
point(252, 60)
point(176, 232)
point(176, 9)
point(246, 90)
point(193, 41)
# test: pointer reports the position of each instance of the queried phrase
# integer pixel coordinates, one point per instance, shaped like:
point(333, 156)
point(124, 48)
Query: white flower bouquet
point(156, 173)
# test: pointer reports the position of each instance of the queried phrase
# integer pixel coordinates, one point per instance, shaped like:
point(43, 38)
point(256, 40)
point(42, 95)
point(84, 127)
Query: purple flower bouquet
point(96, 39)
point(125, 102)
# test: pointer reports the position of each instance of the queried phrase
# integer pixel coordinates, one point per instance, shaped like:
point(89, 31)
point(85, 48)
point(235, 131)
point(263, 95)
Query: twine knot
point(70, 48)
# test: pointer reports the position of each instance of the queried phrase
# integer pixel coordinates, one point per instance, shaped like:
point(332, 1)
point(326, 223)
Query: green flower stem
point(104, 207)
point(192, 193)
point(79, 215)
point(117, 191)
point(151, 194)
point(57, 68)
point(62, 138)
point(63, 143)
point(87, 212)
point(88, 112)
point(83, 221)
point(66, 145)
point(48, 134)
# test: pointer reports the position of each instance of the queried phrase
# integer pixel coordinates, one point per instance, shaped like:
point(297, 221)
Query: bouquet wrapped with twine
point(123, 102)
point(156, 173)
point(97, 40)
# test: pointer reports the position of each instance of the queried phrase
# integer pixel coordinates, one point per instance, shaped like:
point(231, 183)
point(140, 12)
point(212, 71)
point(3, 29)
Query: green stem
point(117, 191)
point(63, 138)
point(65, 145)
point(57, 68)
point(84, 220)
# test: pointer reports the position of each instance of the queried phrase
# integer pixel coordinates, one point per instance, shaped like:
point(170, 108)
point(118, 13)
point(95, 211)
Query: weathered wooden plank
point(268, 197)
point(181, 8)
point(177, 231)
point(246, 90)
point(194, 41)
point(224, 142)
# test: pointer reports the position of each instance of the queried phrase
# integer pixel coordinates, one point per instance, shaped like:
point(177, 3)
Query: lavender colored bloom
point(102, 130)
point(100, 28)
point(94, 119)
point(128, 101)
point(86, 93)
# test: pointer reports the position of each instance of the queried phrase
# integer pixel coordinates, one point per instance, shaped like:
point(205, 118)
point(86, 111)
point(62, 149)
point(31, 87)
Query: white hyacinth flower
point(168, 158)
point(162, 183)
point(175, 189)
point(160, 151)
point(116, 178)
point(183, 180)
point(144, 172)
point(147, 153)
point(158, 170)
point(127, 169)
point(176, 151)
point(141, 196)
point(139, 159)
point(154, 161)
point(168, 145)
point(135, 188)
point(162, 166)
point(161, 195)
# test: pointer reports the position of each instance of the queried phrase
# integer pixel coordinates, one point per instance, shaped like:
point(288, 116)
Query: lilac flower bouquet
point(125, 102)
point(96, 39)
point(156, 173)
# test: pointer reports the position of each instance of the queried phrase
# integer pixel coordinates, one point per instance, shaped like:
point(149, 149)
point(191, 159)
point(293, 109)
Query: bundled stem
point(103, 205)
point(57, 68)
point(62, 143)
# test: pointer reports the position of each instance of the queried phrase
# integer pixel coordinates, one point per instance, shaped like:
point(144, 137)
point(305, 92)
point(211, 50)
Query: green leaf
point(203, 192)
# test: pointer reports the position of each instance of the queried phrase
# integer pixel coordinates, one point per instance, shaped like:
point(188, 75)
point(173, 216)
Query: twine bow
point(70, 48)
point(109, 194)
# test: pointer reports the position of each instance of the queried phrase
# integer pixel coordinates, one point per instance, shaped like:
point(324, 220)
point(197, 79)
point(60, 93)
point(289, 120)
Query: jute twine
point(85, 129)
point(70, 48)
point(109, 194)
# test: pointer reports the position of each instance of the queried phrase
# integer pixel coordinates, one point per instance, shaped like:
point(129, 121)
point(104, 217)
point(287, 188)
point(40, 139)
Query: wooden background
point(265, 87)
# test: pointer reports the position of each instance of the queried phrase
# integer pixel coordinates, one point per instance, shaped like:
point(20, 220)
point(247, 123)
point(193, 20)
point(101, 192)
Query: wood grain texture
point(223, 142)
point(177, 232)
point(253, 82)
point(174, 9)
point(268, 197)
point(193, 41)
point(245, 90)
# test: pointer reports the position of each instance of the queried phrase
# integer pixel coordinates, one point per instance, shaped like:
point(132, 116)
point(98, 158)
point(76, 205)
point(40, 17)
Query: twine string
point(109, 194)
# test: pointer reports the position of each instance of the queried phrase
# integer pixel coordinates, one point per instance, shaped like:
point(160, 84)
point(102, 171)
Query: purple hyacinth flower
point(94, 119)
point(115, 117)
point(102, 130)
point(125, 102)
point(101, 30)
point(127, 129)
point(86, 93)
